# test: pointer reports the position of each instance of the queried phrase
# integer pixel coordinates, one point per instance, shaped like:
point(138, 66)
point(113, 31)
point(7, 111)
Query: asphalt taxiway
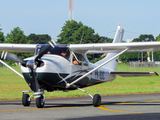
point(128, 107)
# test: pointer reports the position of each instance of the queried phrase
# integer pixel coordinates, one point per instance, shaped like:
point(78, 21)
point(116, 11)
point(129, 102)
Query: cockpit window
point(66, 54)
point(61, 51)
point(79, 58)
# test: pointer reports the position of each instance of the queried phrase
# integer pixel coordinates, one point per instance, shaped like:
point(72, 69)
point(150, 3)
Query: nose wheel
point(40, 102)
point(26, 100)
point(40, 98)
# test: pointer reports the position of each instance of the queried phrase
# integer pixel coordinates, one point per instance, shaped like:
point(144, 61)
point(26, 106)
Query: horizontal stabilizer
point(134, 74)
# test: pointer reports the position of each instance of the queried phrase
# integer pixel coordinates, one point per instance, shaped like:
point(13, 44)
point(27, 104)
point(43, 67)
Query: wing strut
point(72, 83)
point(11, 69)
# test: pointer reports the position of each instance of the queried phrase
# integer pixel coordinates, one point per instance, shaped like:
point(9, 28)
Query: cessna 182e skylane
point(66, 67)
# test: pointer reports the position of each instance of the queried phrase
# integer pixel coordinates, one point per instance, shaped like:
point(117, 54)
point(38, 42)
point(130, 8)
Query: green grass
point(11, 85)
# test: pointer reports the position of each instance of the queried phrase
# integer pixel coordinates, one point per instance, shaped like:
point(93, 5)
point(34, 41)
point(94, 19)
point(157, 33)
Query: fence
point(143, 64)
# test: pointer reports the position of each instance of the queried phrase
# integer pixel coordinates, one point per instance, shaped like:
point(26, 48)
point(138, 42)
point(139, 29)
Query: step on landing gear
point(40, 98)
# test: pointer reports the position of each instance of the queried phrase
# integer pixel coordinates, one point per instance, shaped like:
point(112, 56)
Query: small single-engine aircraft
point(65, 66)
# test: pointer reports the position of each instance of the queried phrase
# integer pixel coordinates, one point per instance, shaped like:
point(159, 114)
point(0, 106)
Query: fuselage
point(56, 70)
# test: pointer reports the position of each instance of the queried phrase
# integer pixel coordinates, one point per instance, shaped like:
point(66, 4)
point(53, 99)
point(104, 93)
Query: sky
point(49, 16)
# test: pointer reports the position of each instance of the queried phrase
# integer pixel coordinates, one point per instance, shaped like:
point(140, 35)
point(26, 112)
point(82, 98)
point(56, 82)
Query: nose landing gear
point(40, 98)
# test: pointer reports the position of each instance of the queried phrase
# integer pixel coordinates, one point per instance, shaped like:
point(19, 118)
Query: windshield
point(58, 50)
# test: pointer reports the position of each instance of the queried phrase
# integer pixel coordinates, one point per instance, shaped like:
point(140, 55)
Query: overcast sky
point(48, 16)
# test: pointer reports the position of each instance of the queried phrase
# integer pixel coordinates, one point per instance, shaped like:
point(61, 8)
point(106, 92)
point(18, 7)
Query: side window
point(78, 59)
point(66, 54)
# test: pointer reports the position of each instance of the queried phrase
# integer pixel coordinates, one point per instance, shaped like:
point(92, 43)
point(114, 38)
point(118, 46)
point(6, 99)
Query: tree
point(16, 36)
point(83, 35)
point(38, 39)
point(1, 36)
point(156, 56)
point(158, 38)
point(132, 56)
point(136, 40)
point(65, 37)
point(103, 39)
point(144, 38)
point(76, 33)
point(136, 56)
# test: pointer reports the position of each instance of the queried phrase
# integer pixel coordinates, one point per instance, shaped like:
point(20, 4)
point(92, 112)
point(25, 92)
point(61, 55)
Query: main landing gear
point(96, 98)
point(40, 98)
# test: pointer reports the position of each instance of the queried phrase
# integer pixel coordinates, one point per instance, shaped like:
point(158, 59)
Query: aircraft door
point(78, 62)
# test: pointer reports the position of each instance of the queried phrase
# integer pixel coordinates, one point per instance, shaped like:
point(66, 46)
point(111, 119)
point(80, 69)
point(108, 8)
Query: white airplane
point(65, 67)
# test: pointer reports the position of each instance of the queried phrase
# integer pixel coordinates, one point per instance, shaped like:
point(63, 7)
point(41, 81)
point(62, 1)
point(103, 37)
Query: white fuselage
point(55, 64)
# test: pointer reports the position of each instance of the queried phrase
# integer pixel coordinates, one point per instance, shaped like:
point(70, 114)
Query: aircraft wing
point(25, 48)
point(115, 47)
point(89, 48)
point(134, 74)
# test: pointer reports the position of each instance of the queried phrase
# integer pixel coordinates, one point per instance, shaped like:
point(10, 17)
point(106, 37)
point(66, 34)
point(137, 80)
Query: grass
point(11, 85)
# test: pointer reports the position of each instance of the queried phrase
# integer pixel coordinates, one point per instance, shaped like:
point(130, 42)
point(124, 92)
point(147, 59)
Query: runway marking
point(33, 109)
point(152, 101)
point(126, 103)
point(102, 107)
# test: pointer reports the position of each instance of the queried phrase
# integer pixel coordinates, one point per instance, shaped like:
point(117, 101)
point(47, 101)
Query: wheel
point(40, 102)
point(25, 100)
point(96, 100)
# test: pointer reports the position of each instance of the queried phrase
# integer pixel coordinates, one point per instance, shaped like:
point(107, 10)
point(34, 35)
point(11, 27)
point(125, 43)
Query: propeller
point(6, 55)
point(31, 64)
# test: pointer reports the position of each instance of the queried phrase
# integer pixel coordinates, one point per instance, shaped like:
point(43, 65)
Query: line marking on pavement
point(126, 103)
point(152, 101)
point(33, 109)
point(102, 107)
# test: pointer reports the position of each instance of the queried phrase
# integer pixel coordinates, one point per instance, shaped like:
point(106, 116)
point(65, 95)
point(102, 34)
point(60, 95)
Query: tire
point(39, 102)
point(25, 101)
point(96, 100)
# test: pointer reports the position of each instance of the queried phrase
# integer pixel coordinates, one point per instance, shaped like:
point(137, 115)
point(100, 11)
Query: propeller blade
point(12, 57)
point(43, 51)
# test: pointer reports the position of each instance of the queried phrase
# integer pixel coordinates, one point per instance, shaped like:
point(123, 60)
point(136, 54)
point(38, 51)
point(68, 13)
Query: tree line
point(74, 32)
point(138, 56)
point(17, 36)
